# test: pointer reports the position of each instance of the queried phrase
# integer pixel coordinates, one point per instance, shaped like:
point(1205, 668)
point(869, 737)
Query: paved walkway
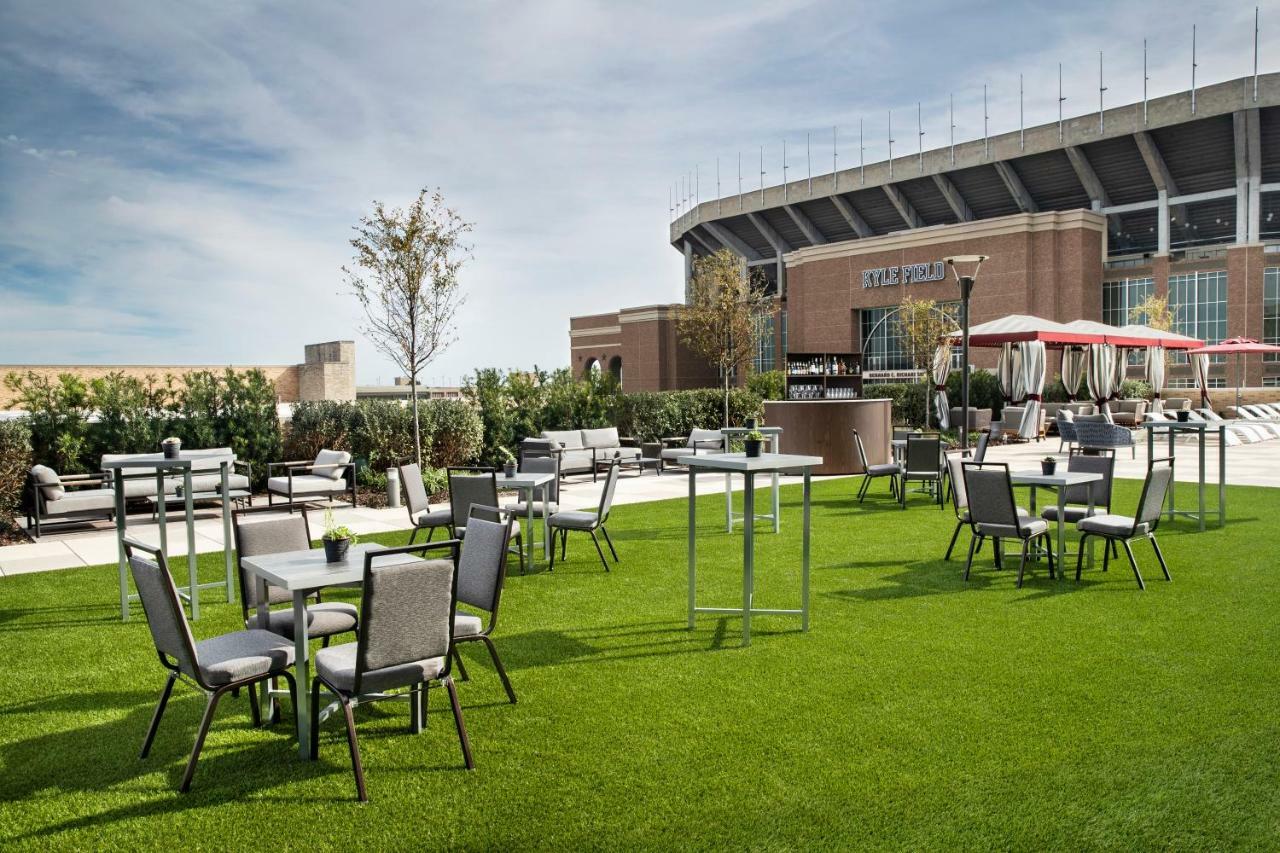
point(1251, 465)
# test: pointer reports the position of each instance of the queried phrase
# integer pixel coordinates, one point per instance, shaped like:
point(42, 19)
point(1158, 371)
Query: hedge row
point(379, 433)
point(15, 460)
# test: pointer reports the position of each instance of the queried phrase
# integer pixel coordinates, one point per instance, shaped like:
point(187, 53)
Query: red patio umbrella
point(1236, 347)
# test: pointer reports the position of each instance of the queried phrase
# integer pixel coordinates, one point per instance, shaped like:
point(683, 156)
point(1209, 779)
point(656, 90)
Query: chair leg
point(1080, 554)
point(1132, 562)
point(293, 698)
point(1048, 549)
point(954, 536)
point(415, 708)
point(431, 533)
point(1159, 556)
point(564, 543)
point(457, 720)
point(1022, 564)
point(552, 564)
point(603, 561)
point(609, 542)
point(315, 718)
point(159, 712)
point(497, 664)
point(862, 487)
point(413, 535)
point(998, 551)
point(356, 766)
point(199, 744)
point(969, 563)
point(254, 712)
point(519, 540)
point(457, 661)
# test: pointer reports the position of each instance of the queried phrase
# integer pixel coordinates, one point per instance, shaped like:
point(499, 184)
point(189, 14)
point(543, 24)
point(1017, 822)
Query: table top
point(524, 479)
point(763, 430)
point(1033, 477)
point(158, 460)
point(302, 570)
point(1188, 426)
point(739, 462)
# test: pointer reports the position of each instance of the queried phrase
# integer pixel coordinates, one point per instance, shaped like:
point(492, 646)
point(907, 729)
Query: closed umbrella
point(1155, 376)
point(1237, 347)
point(942, 367)
point(1005, 371)
point(1099, 375)
point(1073, 359)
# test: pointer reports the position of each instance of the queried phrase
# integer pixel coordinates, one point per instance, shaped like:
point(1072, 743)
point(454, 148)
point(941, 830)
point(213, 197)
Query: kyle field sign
point(905, 274)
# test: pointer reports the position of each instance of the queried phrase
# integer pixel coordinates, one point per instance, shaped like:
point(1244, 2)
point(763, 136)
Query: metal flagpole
point(808, 159)
point(739, 180)
point(890, 144)
point(862, 156)
point(919, 138)
point(1060, 100)
point(1255, 54)
point(1145, 78)
point(762, 176)
point(784, 170)
point(1193, 69)
point(1101, 89)
point(1022, 125)
point(986, 139)
point(953, 128)
point(835, 161)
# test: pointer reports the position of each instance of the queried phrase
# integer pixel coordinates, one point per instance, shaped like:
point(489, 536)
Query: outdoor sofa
point(329, 475)
point(581, 450)
point(205, 475)
point(979, 419)
point(75, 498)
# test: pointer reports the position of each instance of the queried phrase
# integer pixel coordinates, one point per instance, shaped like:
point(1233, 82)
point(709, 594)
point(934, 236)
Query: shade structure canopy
point(1159, 338)
point(1235, 346)
point(1020, 328)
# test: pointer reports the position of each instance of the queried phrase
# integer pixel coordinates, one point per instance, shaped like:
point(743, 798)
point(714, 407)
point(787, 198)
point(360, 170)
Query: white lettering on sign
point(905, 274)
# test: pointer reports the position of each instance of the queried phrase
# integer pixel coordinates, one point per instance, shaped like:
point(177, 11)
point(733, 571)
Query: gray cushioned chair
point(278, 534)
point(587, 522)
point(416, 500)
point(216, 666)
point(960, 503)
point(924, 464)
point(891, 470)
point(1099, 462)
point(407, 612)
point(329, 475)
point(482, 568)
point(477, 486)
point(993, 513)
point(539, 465)
point(1143, 524)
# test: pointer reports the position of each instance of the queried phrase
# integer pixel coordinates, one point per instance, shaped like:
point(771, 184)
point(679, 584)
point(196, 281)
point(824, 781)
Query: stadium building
point(1177, 196)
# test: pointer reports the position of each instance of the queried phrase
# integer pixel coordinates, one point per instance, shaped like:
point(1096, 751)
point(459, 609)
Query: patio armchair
point(1100, 435)
point(587, 522)
point(481, 571)
point(891, 470)
point(1066, 429)
point(979, 419)
point(1143, 524)
point(70, 499)
point(276, 535)
point(407, 610)
point(993, 512)
point(697, 443)
point(1128, 412)
point(417, 502)
point(216, 666)
point(330, 473)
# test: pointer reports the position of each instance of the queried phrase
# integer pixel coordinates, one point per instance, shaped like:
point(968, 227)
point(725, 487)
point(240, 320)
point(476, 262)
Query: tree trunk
point(928, 384)
point(417, 434)
point(726, 398)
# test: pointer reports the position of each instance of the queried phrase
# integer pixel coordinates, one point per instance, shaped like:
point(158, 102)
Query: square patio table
point(1201, 430)
point(765, 463)
point(163, 467)
point(527, 483)
point(1059, 481)
point(301, 573)
point(773, 442)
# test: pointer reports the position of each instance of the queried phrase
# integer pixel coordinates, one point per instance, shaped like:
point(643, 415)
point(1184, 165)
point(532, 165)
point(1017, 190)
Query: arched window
point(593, 366)
point(615, 368)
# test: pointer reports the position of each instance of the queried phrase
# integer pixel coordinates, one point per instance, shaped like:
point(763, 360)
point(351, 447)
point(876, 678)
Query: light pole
point(965, 278)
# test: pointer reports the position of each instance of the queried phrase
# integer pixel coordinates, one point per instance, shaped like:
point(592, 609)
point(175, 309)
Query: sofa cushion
point(81, 500)
point(213, 483)
point(306, 484)
point(49, 481)
point(338, 458)
point(605, 437)
point(704, 437)
point(576, 461)
point(569, 439)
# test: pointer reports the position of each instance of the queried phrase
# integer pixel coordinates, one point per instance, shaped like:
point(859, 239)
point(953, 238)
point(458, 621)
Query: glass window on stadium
point(1199, 303)
point(882, 340)
point(766, 346)
point(1271, 309)
point(1119, 299)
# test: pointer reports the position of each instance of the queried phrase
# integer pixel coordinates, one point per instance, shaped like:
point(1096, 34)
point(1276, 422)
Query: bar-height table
point(527, 484)
point(1059, 482)
point(1201, 429)
point(738, 463)
point(162, 466)
point(302, 573)
point(773, 438)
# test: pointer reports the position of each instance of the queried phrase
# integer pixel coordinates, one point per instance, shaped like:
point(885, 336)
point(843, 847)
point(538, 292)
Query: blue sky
point(178, 181)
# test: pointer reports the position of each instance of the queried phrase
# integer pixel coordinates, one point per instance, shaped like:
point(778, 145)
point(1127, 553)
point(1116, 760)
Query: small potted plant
point(508, 462)
point(1048, 465)
point(172, 447)
point(751, 443)
point(1183, 415)
point(337, 539)
point(752, 423)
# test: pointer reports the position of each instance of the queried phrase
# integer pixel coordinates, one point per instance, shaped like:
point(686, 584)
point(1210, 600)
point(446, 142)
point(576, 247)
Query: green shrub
point(769, 385)
point(1135, 389)
point(984, 391)
point(58, 412)
point(15, 461)
point(456, 430)
point(650, 416)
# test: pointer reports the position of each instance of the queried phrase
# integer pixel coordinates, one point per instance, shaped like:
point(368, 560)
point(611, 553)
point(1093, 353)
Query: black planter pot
point(1047, 468)
point(172, 449)
point(752, 447)
point(509, 469)
point(1183, 416)
point(335, 550)
point(752, 423)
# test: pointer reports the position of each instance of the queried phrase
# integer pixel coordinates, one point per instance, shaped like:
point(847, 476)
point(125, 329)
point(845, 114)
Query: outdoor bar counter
point(825, 428)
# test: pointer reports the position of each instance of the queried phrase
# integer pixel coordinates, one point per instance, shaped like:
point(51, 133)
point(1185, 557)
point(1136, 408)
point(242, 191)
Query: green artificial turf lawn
point(918, 712)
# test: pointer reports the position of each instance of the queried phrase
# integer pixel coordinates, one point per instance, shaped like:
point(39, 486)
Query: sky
point(178, 182)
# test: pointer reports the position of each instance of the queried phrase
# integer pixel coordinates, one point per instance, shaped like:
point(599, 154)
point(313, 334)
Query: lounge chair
point(71, 499)
point(329, 475)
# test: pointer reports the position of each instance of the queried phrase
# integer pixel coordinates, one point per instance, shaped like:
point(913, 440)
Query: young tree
point(1155, 312)
point(720, 323)
point(406, 278)
point(922, 325)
